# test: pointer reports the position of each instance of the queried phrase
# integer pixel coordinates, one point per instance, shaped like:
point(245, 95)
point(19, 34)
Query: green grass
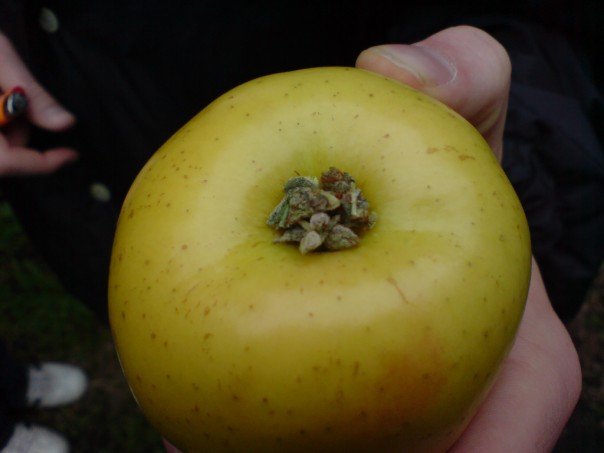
point(39, 321)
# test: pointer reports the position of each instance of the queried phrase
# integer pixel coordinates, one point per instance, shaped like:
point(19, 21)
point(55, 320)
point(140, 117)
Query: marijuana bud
point(326, 213)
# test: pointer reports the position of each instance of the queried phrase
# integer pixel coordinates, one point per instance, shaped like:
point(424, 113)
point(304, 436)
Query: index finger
point(13, 71)
point(43, 109)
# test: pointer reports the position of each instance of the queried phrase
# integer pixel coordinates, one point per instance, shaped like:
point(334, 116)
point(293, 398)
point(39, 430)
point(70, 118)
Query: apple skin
point(233, 343)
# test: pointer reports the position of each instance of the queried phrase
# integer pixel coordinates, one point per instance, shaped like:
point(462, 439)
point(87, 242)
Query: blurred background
point(40, 321)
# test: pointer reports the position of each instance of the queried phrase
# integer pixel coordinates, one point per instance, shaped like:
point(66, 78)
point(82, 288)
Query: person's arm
point(540, 381)
point(43, 111)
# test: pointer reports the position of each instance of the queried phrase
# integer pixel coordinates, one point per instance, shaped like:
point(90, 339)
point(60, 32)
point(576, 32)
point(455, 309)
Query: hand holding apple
point(540, 381)
point(381, 347)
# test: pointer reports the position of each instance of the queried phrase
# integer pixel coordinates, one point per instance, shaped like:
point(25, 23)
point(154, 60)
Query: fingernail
point(429, 66)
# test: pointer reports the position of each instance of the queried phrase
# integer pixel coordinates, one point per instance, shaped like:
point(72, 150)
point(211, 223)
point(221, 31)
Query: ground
point(40, 321)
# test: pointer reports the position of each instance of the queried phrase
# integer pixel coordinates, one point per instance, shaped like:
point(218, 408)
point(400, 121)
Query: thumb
point(462, 67)
point(43, 110)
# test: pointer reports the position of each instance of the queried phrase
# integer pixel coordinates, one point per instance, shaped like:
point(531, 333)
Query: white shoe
point(54, 384)
point(35, 439)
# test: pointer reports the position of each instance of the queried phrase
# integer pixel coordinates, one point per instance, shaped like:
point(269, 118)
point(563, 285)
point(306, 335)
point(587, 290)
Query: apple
point(234, 341)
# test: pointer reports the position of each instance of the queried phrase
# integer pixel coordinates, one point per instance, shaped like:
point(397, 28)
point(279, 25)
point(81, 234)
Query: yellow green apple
point(232, 341)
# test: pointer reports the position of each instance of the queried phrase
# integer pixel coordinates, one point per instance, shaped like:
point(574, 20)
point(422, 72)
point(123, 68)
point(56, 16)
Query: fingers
point(25, 161)
point(43, 110)
point(19, 160)
point(537, 389)
point(463, 67)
